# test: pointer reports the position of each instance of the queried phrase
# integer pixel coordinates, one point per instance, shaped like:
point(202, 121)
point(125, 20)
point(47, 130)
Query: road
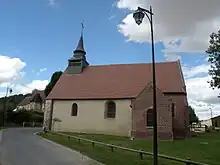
point(19, 146)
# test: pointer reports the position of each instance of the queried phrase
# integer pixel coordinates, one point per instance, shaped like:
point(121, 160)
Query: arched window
point(74, 109)
point(110, 109)
point(149, 118)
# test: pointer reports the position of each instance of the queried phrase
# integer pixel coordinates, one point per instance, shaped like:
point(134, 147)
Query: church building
point(116, 99)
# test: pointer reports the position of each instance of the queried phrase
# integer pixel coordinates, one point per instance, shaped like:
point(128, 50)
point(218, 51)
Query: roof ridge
point(132, 64)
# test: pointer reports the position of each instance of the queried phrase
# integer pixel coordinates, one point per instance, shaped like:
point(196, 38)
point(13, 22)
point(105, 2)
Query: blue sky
point(43, 34)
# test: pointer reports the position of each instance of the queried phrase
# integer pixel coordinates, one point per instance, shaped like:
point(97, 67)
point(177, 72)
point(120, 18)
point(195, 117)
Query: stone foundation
point(47, 113)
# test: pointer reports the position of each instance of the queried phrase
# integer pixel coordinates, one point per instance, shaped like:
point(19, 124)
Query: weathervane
point(82, 27)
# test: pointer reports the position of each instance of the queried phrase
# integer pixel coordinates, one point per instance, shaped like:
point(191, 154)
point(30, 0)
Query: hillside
point(12, 102)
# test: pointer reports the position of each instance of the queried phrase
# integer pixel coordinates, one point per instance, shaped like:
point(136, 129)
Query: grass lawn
point(201, 149)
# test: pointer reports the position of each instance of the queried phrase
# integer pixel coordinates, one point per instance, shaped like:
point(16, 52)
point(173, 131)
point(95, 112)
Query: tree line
point(10, 103)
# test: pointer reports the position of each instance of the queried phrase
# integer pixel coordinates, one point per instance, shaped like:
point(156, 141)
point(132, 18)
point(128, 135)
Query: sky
point(37, 37)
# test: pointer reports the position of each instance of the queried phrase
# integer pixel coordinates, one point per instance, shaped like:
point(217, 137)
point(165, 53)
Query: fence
point(24, 124)
point(140, 152)
point(32, 124)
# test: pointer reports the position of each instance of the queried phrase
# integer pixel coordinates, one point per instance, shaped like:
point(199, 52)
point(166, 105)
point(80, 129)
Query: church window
point(149, 118)
point(74, 109)
point(110, 109)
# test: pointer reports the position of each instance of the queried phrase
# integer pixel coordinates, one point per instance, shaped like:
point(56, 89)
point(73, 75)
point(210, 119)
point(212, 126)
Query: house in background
point(33, 102)
point(117, 99)
point(216, 121)
point(207, 122)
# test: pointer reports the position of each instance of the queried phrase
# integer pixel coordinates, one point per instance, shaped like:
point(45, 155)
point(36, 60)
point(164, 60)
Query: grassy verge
point(1, 128)
point(103, 154)
point(202, 149)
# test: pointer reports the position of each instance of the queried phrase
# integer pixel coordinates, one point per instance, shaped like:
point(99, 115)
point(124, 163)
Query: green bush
point(25, 116)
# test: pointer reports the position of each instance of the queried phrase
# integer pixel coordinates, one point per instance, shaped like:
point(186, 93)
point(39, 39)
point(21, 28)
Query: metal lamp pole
point(211, 118)
point(138, 16)
point(210, 112)
point(8, 90)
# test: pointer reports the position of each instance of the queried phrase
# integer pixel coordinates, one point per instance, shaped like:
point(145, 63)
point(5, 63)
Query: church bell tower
point(78, 62)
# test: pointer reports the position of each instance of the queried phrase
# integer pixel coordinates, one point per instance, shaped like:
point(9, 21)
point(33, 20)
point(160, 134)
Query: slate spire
point(80, 47)
point(78, 62)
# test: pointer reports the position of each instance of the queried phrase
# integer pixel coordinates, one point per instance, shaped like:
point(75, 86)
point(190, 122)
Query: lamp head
point(138, 16)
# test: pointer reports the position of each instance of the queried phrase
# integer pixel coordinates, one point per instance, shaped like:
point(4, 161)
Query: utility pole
point(211, 116)
point(4, 111)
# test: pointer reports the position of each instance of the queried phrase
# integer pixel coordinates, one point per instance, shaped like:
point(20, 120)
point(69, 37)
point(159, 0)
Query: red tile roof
point(117, 81)
point(30, 97)
point(41, 92)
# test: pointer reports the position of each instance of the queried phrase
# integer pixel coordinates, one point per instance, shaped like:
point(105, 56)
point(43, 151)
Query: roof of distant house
point(216, 117)
point(26, 101)
point(41, 92)
point(32, 97)
point(118, 81)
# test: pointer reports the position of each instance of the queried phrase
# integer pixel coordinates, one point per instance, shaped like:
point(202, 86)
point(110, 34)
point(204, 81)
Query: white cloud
point(200, 95)
point(4, 85)
point(27, 88)
point(19, 88)
point(171, 57)
point(190, 72)
point(11, 75)
point(185, 22)
point(182, 26)
point(10, 69)
point(52, 3)
point(43, 69)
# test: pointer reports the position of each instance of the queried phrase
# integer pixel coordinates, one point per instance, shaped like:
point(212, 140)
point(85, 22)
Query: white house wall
point(207, 122)
point(91, 119)
point(31, 106)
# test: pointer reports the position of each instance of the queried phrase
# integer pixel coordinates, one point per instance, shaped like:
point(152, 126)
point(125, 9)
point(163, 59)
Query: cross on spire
point(78, 62)
point(80, 47)
point(82, 24)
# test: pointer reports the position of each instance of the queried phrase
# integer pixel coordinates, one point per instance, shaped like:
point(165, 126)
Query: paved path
point(20, 147)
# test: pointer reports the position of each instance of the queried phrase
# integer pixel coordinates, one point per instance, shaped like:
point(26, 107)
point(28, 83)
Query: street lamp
point(139, 16)
point(210, 112)
point(8, 90)
point(212, 122)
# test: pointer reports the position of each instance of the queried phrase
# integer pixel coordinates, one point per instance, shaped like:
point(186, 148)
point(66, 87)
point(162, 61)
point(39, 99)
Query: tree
point(25, 116)
point(192, 115)
point(55, 77)
point(10, 103)
point(214, 58)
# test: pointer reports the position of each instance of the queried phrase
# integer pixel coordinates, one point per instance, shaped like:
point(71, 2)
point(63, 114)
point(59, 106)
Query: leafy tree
point(192, 115)
point(10, 103)
point(214, 58)
point(55, 77)
point(25, 116)
point(22, 116)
